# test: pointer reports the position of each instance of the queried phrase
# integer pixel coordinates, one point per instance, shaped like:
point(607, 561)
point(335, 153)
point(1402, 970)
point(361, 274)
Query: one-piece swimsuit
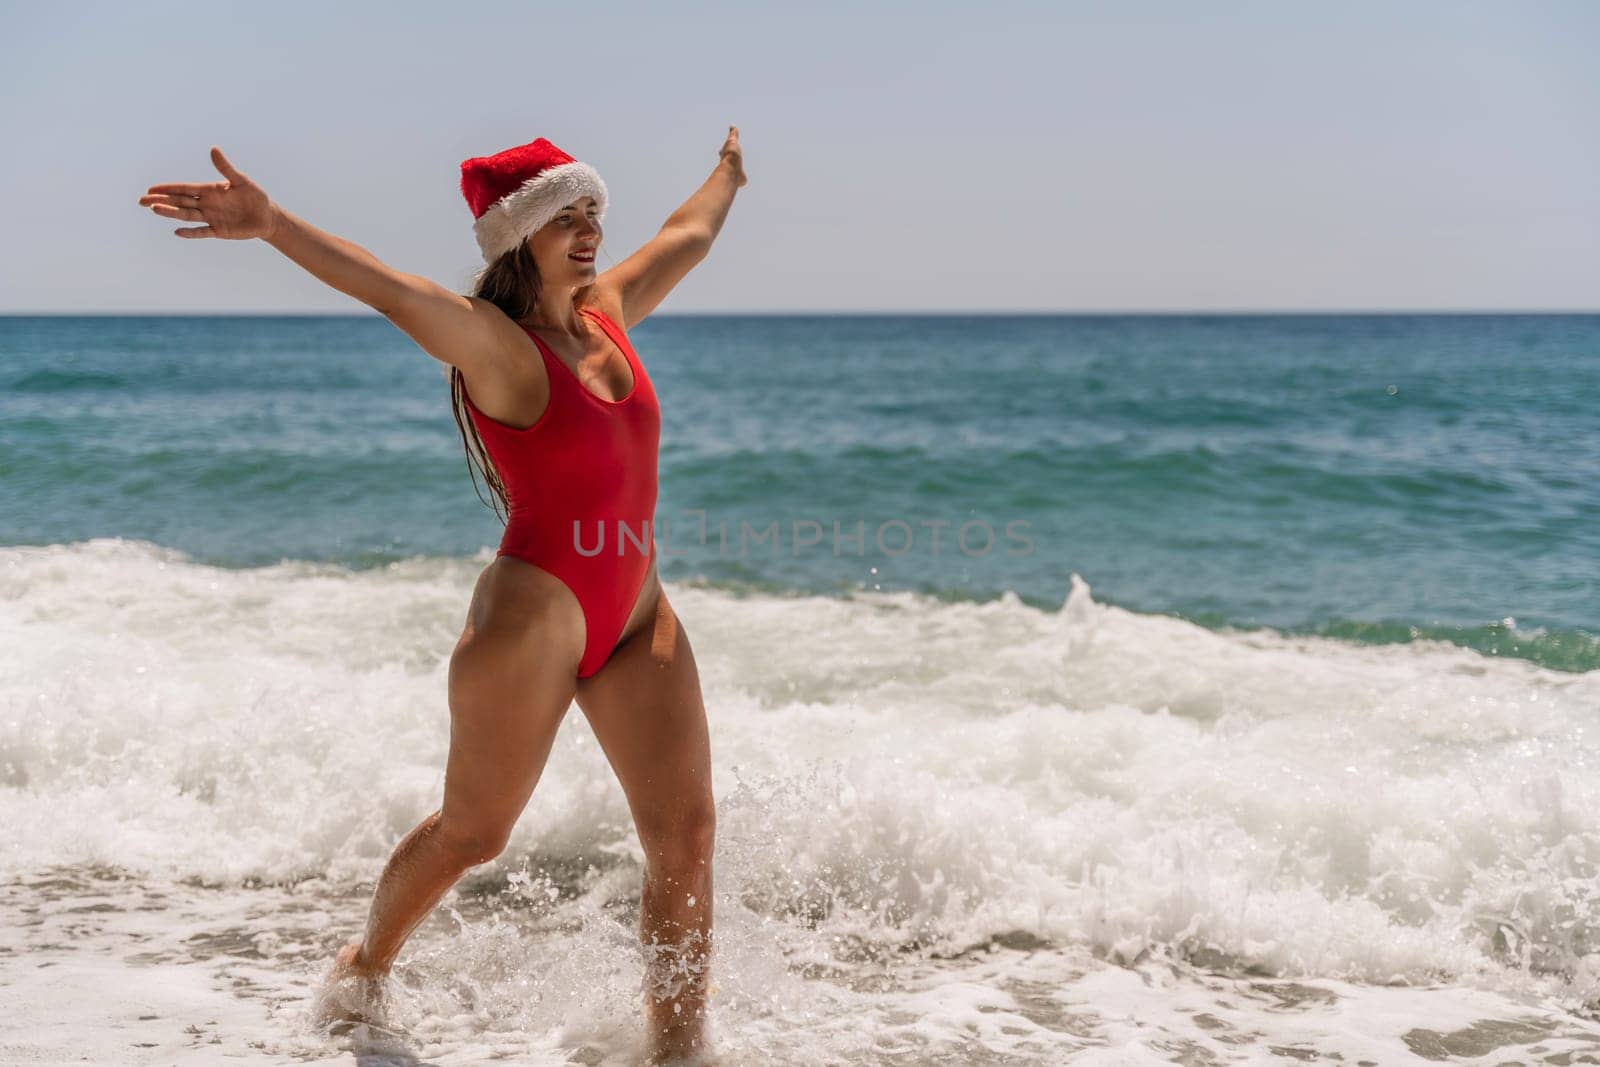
point(581, 483)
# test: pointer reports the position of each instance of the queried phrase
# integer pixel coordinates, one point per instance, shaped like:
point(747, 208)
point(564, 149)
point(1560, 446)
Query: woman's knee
point(683, 842)
point(472, 841)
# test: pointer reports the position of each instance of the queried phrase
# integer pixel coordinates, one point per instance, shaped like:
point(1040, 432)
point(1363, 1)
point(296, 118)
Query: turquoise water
point(1373, 478)
point(978, 807)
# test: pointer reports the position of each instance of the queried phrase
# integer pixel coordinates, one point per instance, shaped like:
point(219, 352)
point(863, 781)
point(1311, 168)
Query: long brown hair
point(510, 283)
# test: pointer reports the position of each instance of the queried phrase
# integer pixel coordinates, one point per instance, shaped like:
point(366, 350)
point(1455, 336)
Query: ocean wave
point(55, 380)
point(1575, 651)
point(895, 773)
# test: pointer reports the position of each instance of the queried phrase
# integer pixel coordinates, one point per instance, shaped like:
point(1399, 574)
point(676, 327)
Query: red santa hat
point(515, 192)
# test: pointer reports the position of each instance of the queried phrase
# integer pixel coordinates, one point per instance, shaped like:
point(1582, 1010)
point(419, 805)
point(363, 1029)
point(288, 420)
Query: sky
point(933, 157)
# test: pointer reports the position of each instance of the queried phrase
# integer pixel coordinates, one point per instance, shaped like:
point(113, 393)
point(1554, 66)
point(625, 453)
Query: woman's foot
point(353, 992)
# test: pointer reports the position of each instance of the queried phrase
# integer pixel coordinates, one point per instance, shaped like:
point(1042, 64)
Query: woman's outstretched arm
point(645, 278)
point(450, 327)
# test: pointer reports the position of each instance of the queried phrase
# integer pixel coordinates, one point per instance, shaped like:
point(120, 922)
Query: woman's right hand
point(236, 209)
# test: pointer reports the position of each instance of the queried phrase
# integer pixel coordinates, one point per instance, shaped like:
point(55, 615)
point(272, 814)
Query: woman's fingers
point(194, 231)
point(185, 214)
point(174, 207)
point(229, 171)
point(182, 188)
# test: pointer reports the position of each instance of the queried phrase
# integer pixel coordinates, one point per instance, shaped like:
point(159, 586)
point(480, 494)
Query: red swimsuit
point(582, 487)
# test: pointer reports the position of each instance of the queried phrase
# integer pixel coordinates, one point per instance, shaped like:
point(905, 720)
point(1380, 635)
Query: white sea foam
point(942, 826)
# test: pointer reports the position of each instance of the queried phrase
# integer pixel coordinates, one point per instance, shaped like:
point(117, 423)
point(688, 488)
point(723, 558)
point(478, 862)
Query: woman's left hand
point(734, 156)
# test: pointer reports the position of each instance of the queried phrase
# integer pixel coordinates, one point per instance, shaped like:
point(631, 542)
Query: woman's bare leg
point(512, 677)
point(647, 713)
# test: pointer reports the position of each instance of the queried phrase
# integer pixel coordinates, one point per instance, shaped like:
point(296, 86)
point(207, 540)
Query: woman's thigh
point(648, 715)
point(512, 678)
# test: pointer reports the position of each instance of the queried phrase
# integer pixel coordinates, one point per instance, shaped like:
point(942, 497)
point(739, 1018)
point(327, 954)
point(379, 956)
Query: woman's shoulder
point(607, 301)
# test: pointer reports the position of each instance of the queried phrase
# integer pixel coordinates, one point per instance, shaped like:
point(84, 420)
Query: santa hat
point(515, 192)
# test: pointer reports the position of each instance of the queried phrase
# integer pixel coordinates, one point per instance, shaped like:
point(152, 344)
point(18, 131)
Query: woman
point(565, 427)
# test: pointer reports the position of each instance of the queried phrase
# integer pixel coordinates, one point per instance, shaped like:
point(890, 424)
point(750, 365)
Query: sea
point(1091, 689)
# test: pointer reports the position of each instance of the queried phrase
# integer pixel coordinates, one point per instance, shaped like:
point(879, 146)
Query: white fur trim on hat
point(516, 215)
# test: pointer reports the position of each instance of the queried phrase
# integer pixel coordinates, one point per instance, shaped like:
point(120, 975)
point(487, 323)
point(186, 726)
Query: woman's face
point(564, 248)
